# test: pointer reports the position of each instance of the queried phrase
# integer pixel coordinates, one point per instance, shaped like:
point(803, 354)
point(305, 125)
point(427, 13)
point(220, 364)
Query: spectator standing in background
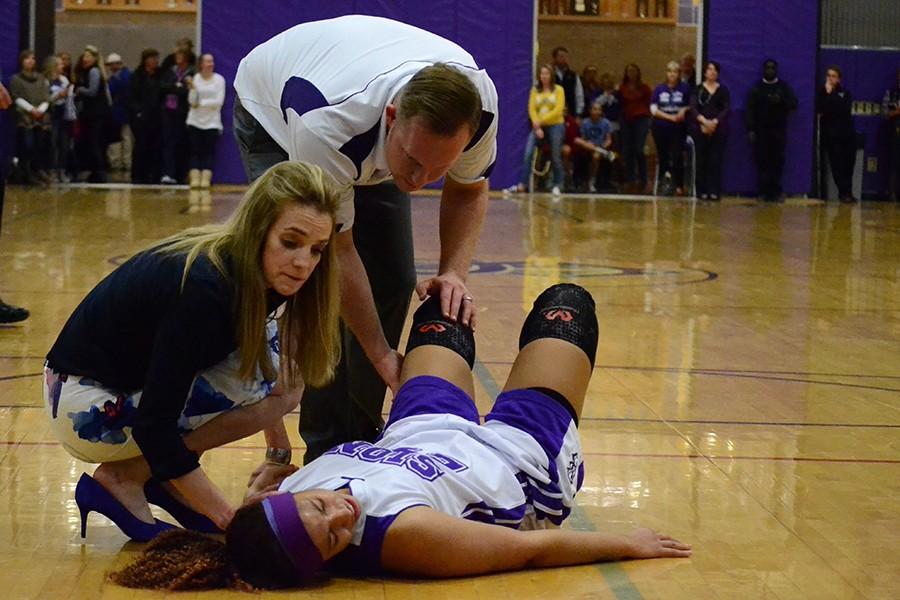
point(204, 120)
point(31, 95)
point(635, 95)
point(93, 107)
point(120, 135)
point(612, 110)
point(145, 99)
point(710, 104)
point(546, 106)
point(837, 133)
point(66, 60)
point(175, 84)
point(8, 312)
point(62, 115)
point(769, 103)
point(891, 111)
point(569, 81)
point(183, 45)
point(689, 70)
point(669, 106)
point(590, 81)
point(571, 128)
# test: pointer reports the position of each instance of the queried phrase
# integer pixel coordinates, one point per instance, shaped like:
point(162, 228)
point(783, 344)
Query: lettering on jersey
point(572, 468)
point(426, 465)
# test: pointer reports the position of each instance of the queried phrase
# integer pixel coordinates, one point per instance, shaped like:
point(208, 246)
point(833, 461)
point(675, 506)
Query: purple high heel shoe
point(189, 518)
point(91, 496)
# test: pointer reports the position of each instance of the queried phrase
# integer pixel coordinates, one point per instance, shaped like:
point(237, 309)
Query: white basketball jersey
point(320, 90)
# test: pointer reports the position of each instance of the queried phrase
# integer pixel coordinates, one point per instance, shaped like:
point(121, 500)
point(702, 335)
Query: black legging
point(93, 147)
point(203, 148)
point(710, 150)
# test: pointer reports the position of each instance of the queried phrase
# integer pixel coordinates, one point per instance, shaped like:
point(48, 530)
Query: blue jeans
point(554, 134)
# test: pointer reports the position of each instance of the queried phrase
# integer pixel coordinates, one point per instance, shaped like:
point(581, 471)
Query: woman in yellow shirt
point(545, 109)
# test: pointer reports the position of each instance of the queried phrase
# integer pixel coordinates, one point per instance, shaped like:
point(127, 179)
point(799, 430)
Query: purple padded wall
point(498, 34)
point(9, 54)
point(740, 35)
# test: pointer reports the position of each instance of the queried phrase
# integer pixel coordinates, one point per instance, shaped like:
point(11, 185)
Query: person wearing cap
point(119, 151)
point(439, 494)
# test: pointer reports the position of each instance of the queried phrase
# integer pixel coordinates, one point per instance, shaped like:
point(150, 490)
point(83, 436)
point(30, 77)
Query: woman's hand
point(646, 543)
point(388, 368)
point(539, 133)
point(268, 473)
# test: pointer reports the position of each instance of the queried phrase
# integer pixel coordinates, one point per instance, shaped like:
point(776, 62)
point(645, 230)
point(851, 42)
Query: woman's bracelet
point(278, 456)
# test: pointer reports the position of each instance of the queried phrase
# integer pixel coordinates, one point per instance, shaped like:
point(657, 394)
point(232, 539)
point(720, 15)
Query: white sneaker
point(592, 188)
point(556, 191)
point(166, 180)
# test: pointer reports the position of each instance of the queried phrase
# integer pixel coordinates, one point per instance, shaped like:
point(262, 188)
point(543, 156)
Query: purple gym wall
point(867, 74)
point(740, 35)
point(9, 54)
point(498, 34)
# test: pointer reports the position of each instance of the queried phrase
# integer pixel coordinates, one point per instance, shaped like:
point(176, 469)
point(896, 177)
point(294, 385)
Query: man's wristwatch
point(278, 456)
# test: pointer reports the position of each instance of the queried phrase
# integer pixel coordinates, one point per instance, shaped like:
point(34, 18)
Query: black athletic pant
point(769, 150)
point(146, 153)
point(841, 158)
point(670, 152)
point(350, 408)
point(710, 150)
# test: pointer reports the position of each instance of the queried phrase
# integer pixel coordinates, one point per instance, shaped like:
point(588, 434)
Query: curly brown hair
point(181, 559)
point(251, 558)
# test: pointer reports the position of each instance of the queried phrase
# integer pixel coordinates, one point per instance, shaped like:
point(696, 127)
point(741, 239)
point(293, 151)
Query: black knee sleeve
point(567, 312)
point(431, 327)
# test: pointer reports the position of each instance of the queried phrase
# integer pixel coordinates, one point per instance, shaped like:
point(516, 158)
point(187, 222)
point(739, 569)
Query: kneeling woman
point(177, 352)
point(439, 495)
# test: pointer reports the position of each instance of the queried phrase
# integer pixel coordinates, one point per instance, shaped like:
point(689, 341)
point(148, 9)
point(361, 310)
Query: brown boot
point(205, 179)
point(194, 177)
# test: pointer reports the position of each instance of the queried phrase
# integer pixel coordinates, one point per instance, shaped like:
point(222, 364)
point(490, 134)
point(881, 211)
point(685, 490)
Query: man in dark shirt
point(769, 103)
point(8, 313)
point(569, 81)
point(145, 117)
point(838, 136)
point(891, 111)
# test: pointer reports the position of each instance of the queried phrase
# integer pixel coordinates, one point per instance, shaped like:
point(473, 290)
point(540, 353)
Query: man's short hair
point(444, 98)
point(559, 49)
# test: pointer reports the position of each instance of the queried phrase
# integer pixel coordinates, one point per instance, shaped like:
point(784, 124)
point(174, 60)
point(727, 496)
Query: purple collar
point(281, 513)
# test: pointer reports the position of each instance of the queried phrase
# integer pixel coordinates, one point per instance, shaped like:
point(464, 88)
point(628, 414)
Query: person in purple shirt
point(669, 105)
point(593, 144)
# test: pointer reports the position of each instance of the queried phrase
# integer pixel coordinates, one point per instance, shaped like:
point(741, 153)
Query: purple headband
point(281, 512)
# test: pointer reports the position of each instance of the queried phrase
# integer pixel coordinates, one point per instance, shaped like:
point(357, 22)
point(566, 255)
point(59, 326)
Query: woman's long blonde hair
point(308, 326)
